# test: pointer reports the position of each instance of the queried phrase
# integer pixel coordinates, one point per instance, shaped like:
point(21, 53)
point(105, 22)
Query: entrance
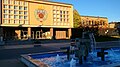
point(36, 35)
point(24, 35)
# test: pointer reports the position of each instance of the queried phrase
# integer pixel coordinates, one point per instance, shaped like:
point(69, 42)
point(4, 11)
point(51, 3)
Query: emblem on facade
point(40, 14)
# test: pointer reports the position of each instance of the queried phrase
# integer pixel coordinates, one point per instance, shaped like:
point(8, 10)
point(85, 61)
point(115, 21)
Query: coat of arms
point(40, 14)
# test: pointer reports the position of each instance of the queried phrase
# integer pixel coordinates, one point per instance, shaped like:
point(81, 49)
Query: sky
point(102, 8)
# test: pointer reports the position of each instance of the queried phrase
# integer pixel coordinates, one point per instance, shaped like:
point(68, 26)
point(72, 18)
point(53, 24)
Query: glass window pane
point(25, 8)
point(20, 12)
point(11, 7)
point(25, 17)
point(11, 12)
point(5, 16)
point(20, 7)
point(16, 16)
point(20, 17)
point(5, 6)
point(15, 12)
point(15, 7)
point(25, 12)
point(5, 11)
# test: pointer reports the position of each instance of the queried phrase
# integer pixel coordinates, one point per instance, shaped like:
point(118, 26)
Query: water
point(58, 59)
point(73, 63)
point(92, 60)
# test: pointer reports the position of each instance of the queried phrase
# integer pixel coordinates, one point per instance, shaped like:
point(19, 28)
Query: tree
point(76, 19)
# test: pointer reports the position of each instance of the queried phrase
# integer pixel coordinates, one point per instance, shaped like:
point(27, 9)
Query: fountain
point(73, 63)
point(58, 58)
point(80, 54)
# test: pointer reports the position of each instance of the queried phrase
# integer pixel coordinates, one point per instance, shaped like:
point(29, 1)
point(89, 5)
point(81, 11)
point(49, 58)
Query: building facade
point(114, 25)
point(35, 19)
point(93, 21)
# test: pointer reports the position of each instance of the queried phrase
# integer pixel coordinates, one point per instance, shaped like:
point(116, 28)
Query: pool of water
point(92, 60)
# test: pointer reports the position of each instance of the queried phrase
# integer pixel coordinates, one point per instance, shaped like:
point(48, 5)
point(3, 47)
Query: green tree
point(76, 19)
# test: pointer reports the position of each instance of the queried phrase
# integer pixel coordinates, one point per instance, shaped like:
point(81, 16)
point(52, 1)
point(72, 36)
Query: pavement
point(10, 55)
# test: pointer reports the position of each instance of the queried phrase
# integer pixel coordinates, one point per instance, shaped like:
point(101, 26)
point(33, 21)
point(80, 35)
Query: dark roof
point(93, 16)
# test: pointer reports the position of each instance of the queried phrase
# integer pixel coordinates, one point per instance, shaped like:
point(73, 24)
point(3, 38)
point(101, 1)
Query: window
point(25, 8)
point(25, 3)
point(5, 6)
point(15, 7)
point(20, 12)
point(21, 3)
point(15, 12)
point(15, 21)
point(11, 11)
point(20, 7)
point(16, 16)
point(60, 16)
point(25, 17)
point(5, 11)
point(11, 1)
point(11, 16)
point(5, 21)
point(54, 19)
point(11, 7)
point(5, 1)
point(25, 12)
point(63, 12)
point(58, 19)
point(11, 21)
point(54, 15)
point(5, 16)
point(16, 2)
point(21, 22)
point(60, 12)
point(57, 12)
point(61, 19)
point(20, 17)
point(26, 22)
point(54, 11)
point(67, 12)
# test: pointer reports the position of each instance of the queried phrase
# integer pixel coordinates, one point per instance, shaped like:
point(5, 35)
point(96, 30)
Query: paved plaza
point(9, 56)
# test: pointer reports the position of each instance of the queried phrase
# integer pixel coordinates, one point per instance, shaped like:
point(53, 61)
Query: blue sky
point(103, 8)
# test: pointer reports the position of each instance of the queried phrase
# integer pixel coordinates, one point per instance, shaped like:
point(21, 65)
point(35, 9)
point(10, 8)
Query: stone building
point(23, 19)
point(93, 21)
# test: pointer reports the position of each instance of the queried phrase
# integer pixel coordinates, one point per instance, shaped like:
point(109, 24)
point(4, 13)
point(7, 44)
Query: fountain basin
point(48, 59)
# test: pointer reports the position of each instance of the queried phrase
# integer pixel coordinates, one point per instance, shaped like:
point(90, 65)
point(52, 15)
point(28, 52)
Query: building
point(35, 19)
point(114, 25)
point(93, 21)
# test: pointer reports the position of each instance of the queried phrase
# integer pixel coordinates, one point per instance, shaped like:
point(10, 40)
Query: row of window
point(92, 23)
point(60, 20)
point(5, 21)
point(15, 16)
point(15, 7)
point(60, 12)
point(61, 16)
point(15, 2)
point(60, 8)
point(61, 24)
point(15, 12)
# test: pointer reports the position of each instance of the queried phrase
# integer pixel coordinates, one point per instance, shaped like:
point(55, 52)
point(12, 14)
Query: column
point(51, 33)
point(18, 32)
point(29, 32)
point(69, 33)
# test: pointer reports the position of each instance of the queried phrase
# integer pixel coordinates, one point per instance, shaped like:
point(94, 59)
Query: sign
point(40, 14)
